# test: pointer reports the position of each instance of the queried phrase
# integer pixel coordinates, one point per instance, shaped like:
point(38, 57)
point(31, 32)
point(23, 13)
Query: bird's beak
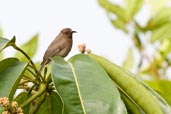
point(74, 31)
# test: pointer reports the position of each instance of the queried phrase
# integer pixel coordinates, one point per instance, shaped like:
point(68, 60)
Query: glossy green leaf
point(10, 74)
point(56, 103)
point(51, 105)
point(115, 9)
point(129, 61)
point(139, 93)
point(161, 18)
point(161, 33)
point(5, 43)
point(131, 107)
point(29, 47)
point(132, 7)
point(85, 87)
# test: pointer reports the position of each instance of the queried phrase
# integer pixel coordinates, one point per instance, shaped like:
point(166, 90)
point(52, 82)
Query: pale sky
point(47, 17)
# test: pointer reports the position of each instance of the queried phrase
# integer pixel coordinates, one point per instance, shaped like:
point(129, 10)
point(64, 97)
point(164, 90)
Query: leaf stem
point(42, 89)
point(33, 65)
point(38, 103)
point(31, 71)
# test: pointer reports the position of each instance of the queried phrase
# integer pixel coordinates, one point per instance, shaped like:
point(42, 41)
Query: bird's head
point(67, 32)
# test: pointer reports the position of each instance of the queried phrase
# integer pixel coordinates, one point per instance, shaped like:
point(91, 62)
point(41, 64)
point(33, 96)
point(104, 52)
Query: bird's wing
point(54, 49)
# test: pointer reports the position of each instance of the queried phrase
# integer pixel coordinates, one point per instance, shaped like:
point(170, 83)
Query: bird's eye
point(66, 32)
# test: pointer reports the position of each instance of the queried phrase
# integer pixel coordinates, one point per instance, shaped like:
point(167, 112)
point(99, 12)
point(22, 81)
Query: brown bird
point(60, 46)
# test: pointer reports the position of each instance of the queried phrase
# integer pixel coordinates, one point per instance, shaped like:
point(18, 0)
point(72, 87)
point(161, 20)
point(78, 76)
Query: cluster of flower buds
point(82, 48)
point(10, 108)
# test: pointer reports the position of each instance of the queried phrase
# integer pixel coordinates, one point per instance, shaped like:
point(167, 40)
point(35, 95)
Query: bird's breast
point(67, 48)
